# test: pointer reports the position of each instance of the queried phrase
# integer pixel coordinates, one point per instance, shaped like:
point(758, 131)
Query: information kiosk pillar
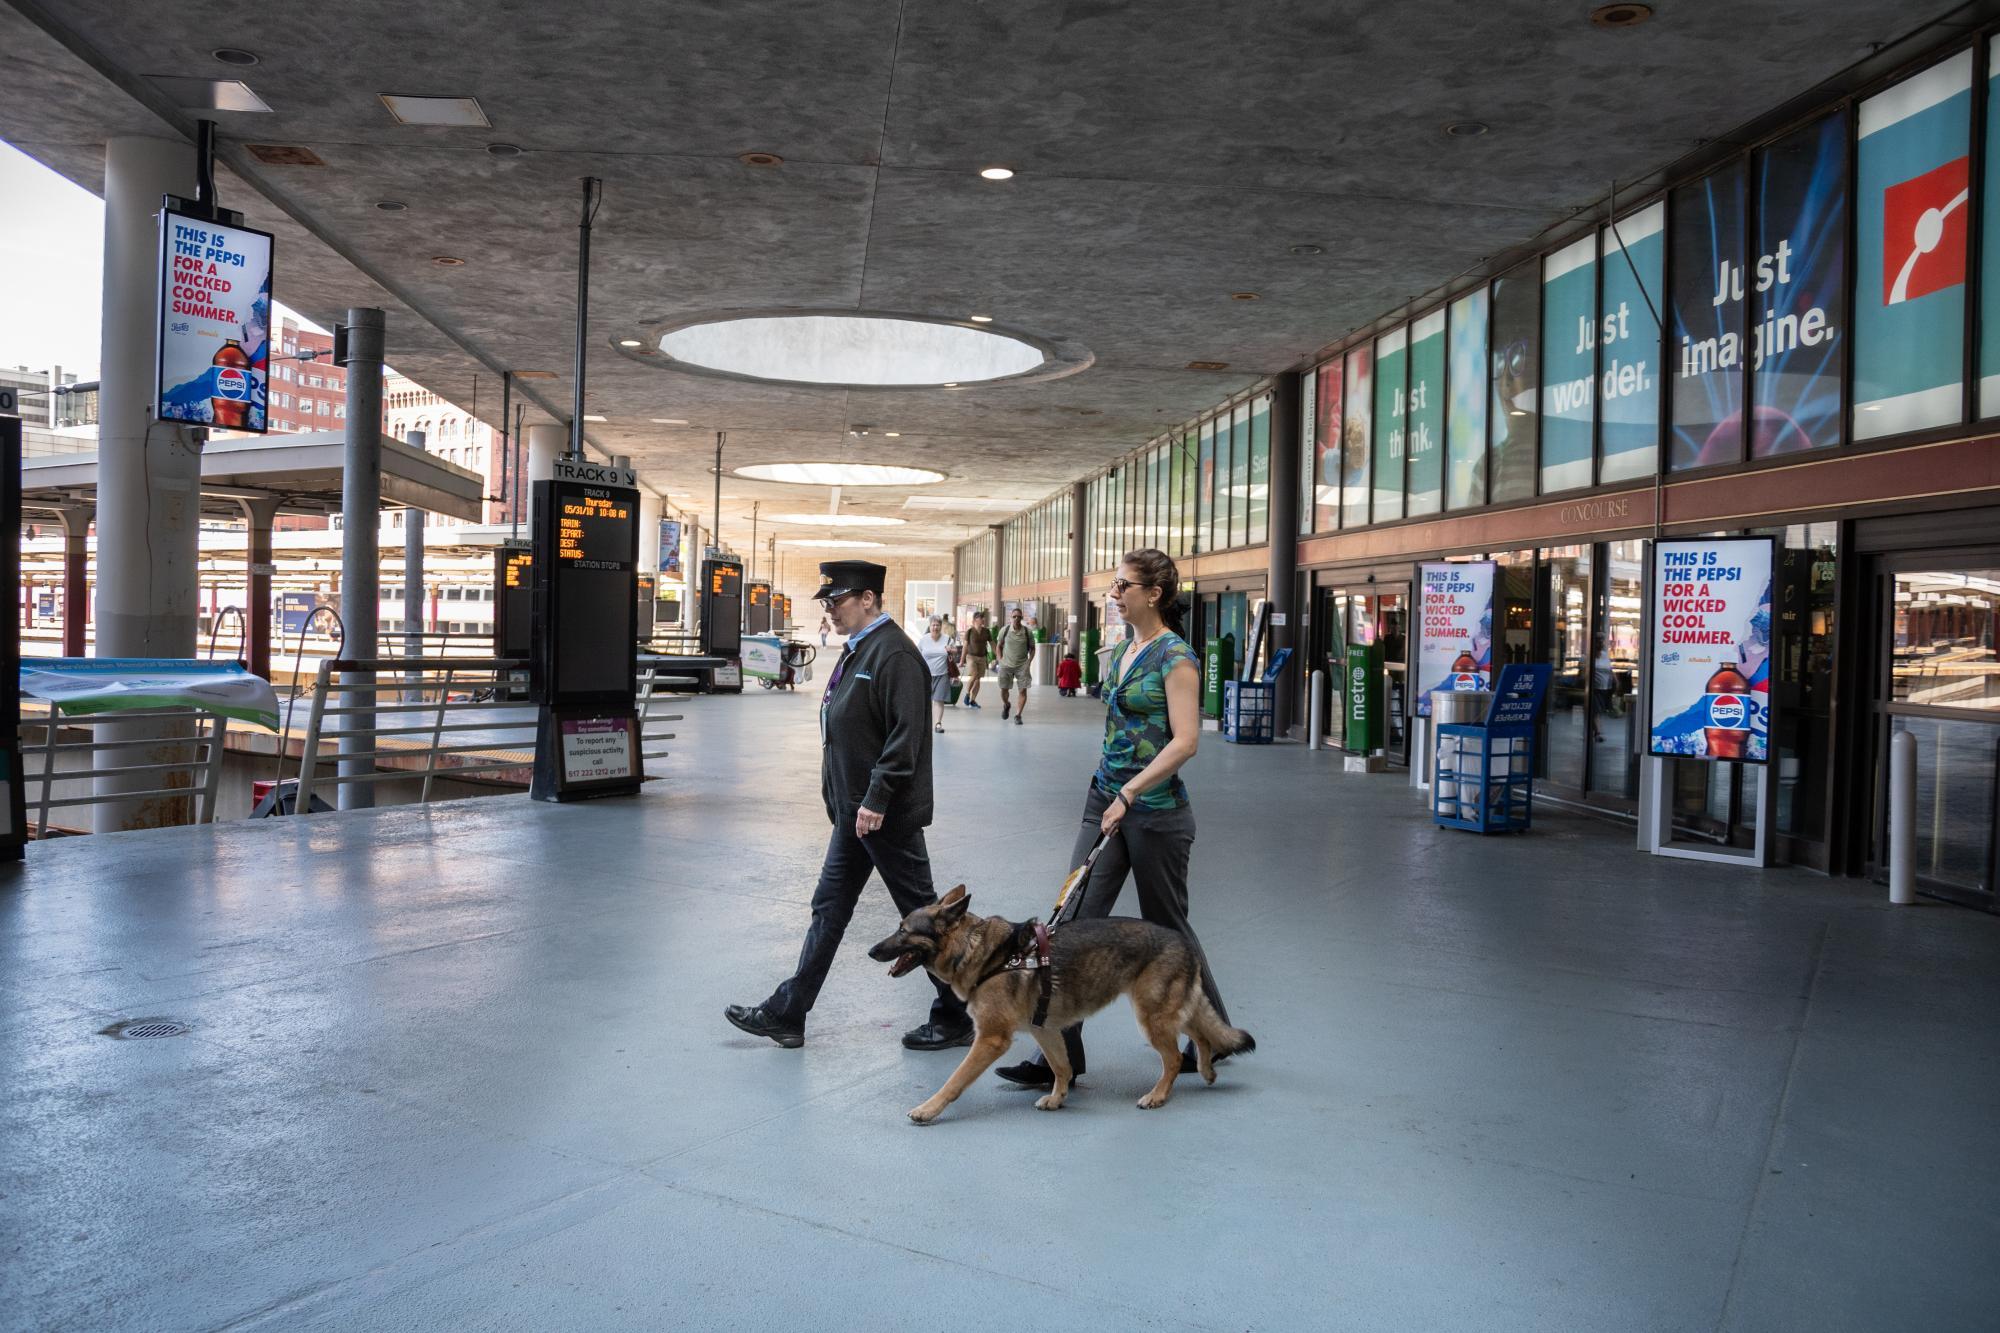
point(584, 664)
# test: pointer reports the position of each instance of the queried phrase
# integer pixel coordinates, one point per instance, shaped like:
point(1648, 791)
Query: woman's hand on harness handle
point(866, 821)
point(1114, 814)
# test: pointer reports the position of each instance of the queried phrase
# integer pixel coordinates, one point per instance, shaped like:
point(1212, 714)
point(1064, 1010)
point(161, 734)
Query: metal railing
point(202, 764)
point(440, 717)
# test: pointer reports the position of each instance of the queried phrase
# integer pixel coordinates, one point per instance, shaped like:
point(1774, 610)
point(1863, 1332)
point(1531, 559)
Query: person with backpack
point(1015, 646)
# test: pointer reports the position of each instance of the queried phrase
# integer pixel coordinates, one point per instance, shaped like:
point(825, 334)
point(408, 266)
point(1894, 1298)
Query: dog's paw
point(923, 1115)
point(1208, 1075)
point(1151, 1103)
point(1048, 1102)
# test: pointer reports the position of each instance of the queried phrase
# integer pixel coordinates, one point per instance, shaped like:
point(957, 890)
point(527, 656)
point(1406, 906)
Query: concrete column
point(999, 568)
point(649, 531)
point(361, 534)
point(76, 579)
point(1282, 572)
point(259, 516)
point(1078, 503)
point(546, 442)
point(413, 568)
point(148, 476)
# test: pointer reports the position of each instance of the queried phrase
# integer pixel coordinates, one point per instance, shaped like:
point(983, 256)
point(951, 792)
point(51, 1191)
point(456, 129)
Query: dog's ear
point(951, 910)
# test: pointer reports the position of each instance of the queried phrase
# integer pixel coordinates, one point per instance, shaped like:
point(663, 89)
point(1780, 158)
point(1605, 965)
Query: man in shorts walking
point(1014, 645)
point(978, 648)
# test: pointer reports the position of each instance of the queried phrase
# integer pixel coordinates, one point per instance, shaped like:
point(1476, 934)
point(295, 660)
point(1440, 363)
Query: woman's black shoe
point(1029, 1074)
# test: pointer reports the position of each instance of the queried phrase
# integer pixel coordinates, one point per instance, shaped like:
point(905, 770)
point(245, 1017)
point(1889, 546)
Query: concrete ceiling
point(1168, 154)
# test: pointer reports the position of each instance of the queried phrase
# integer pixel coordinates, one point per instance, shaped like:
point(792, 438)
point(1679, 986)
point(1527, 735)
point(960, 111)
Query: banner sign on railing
point(83, 685)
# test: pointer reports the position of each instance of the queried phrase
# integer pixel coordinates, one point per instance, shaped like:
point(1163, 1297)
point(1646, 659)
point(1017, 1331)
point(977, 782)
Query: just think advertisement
point(215, 323)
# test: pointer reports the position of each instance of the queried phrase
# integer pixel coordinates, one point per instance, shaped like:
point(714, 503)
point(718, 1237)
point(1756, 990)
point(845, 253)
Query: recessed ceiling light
point(845, 542)
point(982, 319)
point(534, 374)
point(840, 474)
point(504, 149)
point(592, 416)
point(893, 434)
point(838, 520)
point(391, 205)
point(1466, 129)
point(760, 159)
point(667, 421)
point(234, 55)
point(192, 94)
point(1208, 365)
point(1621, 15)
point(997, 173)
point(409, 110)
point(1871, 407)
point(630, 342)
point(1243, 296)
point(1308, 250)
point(952, 384)
point(1516, 412)
point(447, 261)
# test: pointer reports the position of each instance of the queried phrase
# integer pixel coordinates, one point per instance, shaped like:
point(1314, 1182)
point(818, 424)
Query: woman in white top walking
point(936, 649)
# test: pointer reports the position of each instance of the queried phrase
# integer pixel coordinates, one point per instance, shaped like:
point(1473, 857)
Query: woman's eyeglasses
point(1118, 586)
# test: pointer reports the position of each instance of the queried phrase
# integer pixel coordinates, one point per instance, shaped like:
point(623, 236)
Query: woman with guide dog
point(1136, 798)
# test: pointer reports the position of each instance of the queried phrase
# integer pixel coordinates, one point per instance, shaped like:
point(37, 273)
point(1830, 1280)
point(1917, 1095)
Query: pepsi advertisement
point(1913, 191)
point(670, 549)
point(215, 324)
point(1711, 669)
point(1454, 628)
point(1798, 309)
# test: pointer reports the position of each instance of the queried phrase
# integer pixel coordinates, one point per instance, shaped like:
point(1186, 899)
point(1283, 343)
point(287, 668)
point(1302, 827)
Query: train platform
point(464, 1066)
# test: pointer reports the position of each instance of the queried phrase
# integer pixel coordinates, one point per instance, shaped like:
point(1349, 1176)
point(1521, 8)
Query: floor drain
point(140, 1029)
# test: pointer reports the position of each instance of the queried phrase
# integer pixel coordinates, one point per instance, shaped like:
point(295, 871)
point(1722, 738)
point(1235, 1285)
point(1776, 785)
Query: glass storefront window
point(1424, 423)
point(1707, 347)
point(1628, 374)
point(1324, 493)
point(1989, 244)
point(1465, 424)
point(1204, 489)
point(1391, 393)
point(1616, 672)
point(1911, 188)
point(1565, 608)
point(1802, 674)
point(1955, 800)
point(1943, 655)
point(1517, 369)
point(1356, 436)
point(1260, 471)
point(1569, 360)
point(1239, 474)
point(1798, 310)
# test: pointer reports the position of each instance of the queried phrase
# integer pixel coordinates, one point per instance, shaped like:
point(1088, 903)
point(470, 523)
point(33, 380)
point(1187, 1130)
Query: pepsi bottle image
point(230, 404)
point(1728, 700)
point(1465, 673)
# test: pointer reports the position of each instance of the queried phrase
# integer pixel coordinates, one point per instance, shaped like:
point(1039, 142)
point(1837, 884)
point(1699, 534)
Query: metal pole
point(1902, 818)
point(519, 500)
point(755, 505)
point(1316, 710)
point(413, 582)
point(506, 436)
point(715, 537)
point(591, 186)
point(361, 537)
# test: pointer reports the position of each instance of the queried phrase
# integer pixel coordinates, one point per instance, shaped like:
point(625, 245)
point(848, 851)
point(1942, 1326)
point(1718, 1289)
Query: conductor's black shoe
point(1029, 1074)
point(938, 1036)
point(1188, 1063)
point(758, 1022)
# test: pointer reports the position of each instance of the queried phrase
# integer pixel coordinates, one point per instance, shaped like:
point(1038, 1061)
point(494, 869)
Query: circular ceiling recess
point(849, 349)
point(840, 474)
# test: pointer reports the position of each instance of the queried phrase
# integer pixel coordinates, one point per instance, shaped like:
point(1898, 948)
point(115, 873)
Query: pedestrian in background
point(1015, 647)
point(936, 650)
point(978, 648)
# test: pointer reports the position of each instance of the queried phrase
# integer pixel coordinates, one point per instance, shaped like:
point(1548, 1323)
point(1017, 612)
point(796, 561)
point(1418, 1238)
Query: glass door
point(1939, 680)
point(1329, 655)
point(1380, 615)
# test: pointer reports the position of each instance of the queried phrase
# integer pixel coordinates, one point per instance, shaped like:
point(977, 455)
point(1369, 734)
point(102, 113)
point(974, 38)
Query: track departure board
point(594, 530)
point(513, 600)
point(585, 571)
point(721, 606)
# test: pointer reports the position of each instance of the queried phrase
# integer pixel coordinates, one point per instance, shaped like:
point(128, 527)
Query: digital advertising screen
point(1424, 420)
point(1912, 209)
point(1392, 354)
point(1454, 628)
point(1569, 361)
point(1356, 436)
point(1710, 677)
point(670, 549)
point(1628, 356)
point(1465, 423)
point(215, 324)
point(1517, 370)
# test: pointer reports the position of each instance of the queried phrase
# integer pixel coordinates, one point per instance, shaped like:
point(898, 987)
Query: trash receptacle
point(1452, 708)
point(1046, 653)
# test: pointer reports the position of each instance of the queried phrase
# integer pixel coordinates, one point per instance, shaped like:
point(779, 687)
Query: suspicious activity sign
point(215, 323)
point(1711, 668)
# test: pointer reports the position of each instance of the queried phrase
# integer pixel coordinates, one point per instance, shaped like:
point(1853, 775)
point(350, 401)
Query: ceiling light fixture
point(981, 319)
point(667, 421)
point(893, 434)
point(411, 110)
point(1621, 15)
point(392, 205)
point(234, 55)
point(504, 149)
point(840, 474)
point(997, 173)
point(760, 159)
point(1466, 129)
point(630, 342)
point(592, 416)
point(192, 94)
point(447, 261)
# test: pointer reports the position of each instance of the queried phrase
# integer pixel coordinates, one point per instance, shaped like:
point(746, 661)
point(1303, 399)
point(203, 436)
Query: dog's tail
point(1220, 1038)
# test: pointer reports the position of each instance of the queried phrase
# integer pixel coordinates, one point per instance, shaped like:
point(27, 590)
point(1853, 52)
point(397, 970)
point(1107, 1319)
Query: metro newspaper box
point(1485, 775)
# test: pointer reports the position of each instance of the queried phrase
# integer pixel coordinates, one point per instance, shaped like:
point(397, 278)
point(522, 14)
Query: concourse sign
point(584, 667)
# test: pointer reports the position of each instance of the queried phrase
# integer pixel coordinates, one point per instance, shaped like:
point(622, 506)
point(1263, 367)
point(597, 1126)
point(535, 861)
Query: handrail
point(203, 764)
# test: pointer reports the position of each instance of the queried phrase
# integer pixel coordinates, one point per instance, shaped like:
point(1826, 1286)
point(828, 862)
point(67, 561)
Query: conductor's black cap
point(838, 578)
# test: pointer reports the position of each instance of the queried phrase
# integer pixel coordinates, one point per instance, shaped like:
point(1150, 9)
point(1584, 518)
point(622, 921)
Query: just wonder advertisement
point(1711, 669)
point(215, 323)
point(1454, 629)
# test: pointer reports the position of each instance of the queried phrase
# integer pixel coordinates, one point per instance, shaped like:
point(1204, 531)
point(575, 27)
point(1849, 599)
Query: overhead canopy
point(302, 472)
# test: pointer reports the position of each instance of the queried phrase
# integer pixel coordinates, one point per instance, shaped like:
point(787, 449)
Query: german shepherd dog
point(1094, 962)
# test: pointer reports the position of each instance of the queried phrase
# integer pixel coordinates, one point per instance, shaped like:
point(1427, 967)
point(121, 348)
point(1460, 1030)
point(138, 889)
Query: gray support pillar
point(258, 516)
point(999, 568)
point(1079, 615)
point(361, 536)
point(148, 476)
point(546, 441)
point(649, 532)
point(76, 579)
point(1282, 576)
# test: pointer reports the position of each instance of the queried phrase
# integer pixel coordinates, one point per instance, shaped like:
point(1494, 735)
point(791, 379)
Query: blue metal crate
point(1483, 782)
point(1248, 710)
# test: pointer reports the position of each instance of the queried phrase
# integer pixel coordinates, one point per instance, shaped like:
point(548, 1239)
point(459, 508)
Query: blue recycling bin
point(1484, 774)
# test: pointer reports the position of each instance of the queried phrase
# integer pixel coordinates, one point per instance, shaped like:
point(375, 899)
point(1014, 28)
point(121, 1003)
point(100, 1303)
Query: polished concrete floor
point(465, 1067)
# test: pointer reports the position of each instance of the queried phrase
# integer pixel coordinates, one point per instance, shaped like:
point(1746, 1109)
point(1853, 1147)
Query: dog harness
point(1030, 953)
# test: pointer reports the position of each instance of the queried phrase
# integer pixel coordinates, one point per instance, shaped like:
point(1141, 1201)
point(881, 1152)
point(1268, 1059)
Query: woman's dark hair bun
point(1158, 570)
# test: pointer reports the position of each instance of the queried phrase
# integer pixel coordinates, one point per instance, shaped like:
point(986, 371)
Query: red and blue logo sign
point(232, 383)
point(1730, 712)
point(1923, 233)
point(1465, 680)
